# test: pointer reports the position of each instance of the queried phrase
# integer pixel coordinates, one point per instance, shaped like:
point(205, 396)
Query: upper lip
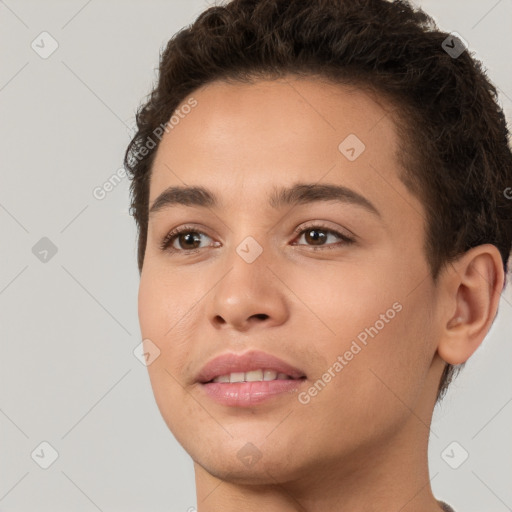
point(252, 360)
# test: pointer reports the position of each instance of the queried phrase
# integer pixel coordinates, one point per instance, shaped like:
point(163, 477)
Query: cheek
point(146, 309)
point(160, 309)
point(348, 301)
point(374, 388)
point(380, 330)
point(165, 300)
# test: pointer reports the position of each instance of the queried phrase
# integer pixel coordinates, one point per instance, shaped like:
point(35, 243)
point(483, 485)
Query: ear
point(471, 288)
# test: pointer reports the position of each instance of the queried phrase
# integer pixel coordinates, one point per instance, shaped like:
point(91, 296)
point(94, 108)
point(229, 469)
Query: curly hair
point(455, 151)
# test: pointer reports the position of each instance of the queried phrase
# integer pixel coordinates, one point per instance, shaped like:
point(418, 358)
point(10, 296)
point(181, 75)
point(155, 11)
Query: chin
point(231, 469)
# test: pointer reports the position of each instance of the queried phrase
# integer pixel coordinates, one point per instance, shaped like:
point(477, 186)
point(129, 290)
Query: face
point(331, 279)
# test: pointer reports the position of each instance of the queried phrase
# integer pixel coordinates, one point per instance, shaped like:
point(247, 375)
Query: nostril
point(261, 316)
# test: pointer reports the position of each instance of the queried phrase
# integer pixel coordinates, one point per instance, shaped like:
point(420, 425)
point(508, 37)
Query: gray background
point(69, 325)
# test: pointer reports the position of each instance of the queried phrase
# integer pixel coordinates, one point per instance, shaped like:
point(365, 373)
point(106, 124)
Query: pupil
point(320, 236)
point(189, 237)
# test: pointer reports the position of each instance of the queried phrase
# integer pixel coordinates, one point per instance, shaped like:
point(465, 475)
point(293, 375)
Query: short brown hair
point(455, 142)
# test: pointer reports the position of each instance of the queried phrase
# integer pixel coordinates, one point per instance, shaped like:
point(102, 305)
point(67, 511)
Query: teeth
point(252, 376)
point(269, 375)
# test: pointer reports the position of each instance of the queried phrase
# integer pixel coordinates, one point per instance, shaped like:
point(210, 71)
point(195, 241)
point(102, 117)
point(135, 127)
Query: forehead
point(241, 139)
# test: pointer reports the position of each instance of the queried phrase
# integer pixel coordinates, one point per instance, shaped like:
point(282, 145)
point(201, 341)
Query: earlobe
point(473, 285)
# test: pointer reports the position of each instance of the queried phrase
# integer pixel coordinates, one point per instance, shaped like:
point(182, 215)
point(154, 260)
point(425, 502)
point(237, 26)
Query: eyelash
point(166, 244)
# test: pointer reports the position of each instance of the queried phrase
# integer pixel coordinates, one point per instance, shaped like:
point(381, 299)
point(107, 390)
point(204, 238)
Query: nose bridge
point(248, 290)
point(249, 236)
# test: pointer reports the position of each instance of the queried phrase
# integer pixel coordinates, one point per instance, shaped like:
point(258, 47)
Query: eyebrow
point(299, 193)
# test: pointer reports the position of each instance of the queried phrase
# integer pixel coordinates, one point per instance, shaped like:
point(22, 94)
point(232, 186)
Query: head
point(258, 97)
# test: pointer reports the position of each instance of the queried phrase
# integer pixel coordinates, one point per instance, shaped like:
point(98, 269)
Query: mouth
point(244, 380)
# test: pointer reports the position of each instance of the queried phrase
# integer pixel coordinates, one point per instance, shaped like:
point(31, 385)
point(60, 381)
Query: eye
point(318, 235)
point(187, 238)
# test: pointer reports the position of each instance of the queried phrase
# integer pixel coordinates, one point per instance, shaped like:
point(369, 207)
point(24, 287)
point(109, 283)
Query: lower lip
point(247, 394)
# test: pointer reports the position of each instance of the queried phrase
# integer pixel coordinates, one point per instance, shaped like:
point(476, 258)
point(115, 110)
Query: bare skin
point(360, 443)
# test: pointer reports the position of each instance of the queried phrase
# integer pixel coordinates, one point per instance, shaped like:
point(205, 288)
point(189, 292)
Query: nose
point(249, 296)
